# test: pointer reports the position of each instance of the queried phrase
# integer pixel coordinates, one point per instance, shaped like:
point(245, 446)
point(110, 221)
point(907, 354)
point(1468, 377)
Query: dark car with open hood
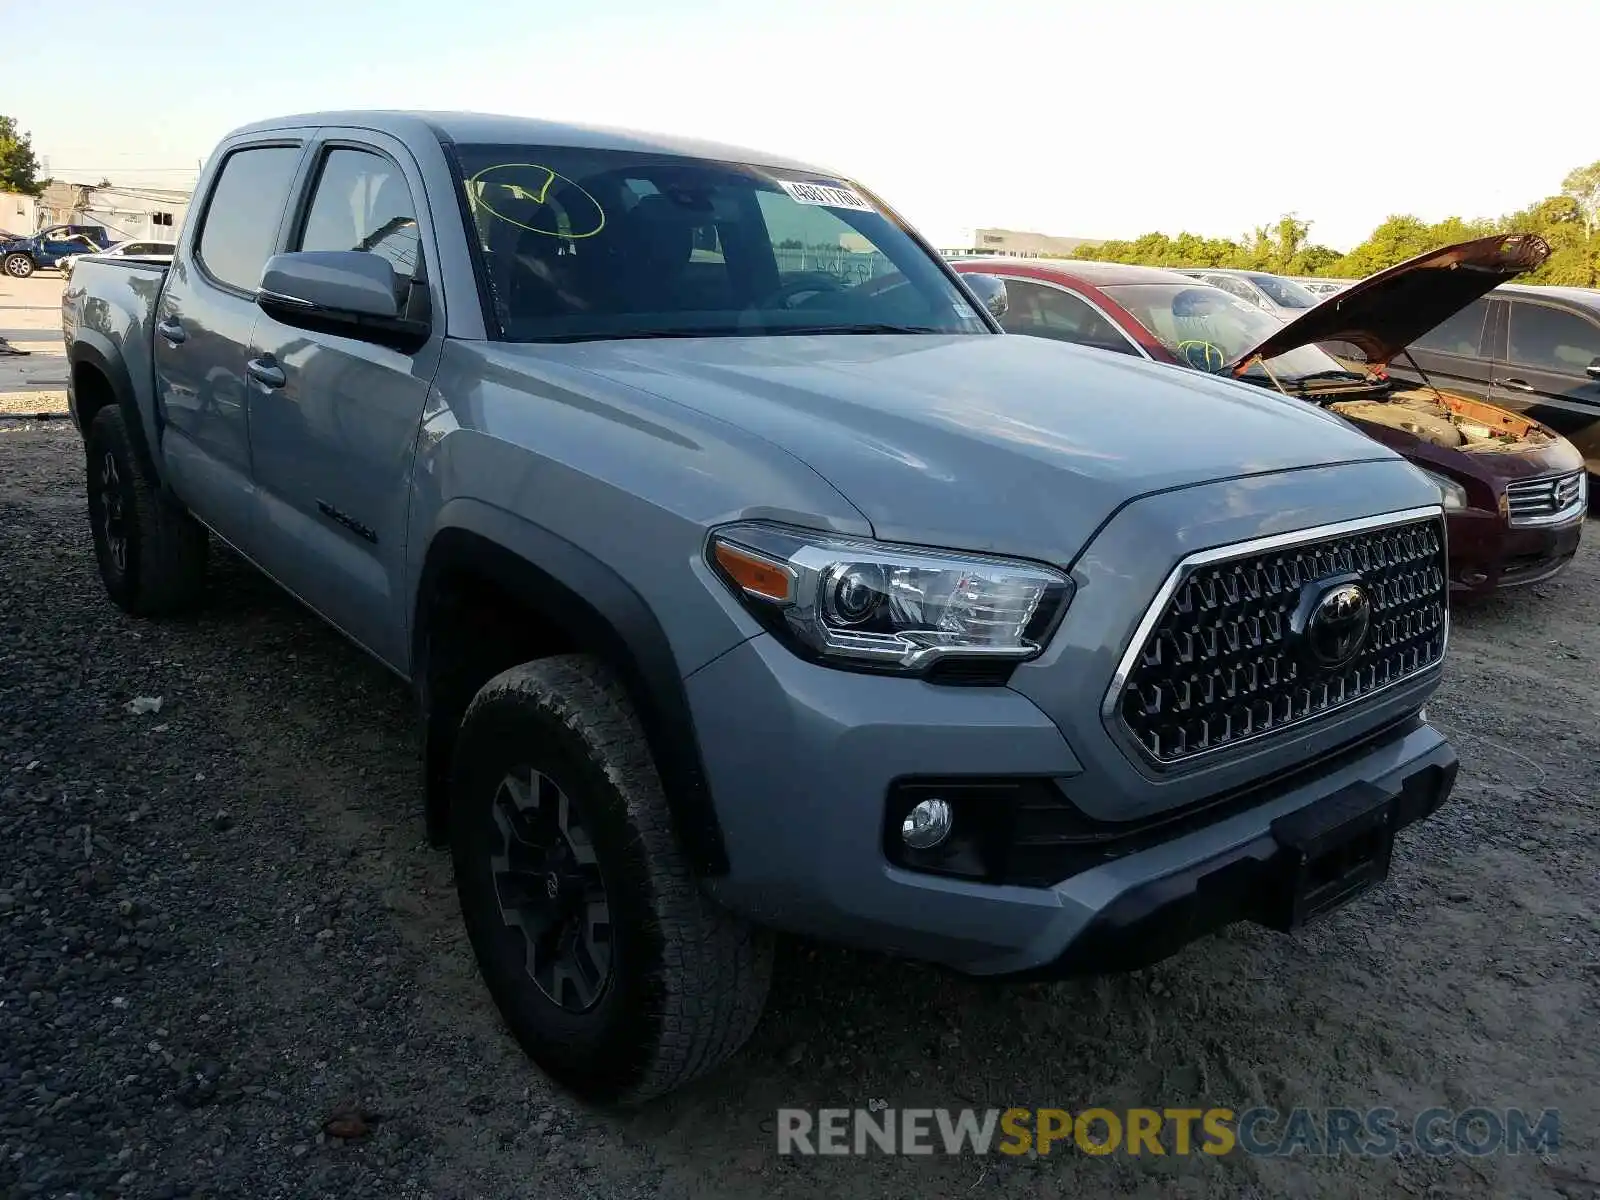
point(1514, 490)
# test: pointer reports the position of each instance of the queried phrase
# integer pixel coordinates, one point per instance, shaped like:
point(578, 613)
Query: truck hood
point(983, 442)
point(1384, 313)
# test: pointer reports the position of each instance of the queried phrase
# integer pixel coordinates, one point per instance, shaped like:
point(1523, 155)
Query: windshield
point(1208, 328)
point(1286, 292)
point(581, 243)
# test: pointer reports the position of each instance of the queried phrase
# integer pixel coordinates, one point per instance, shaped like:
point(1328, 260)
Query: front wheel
point(614, 972)
point(19, 266)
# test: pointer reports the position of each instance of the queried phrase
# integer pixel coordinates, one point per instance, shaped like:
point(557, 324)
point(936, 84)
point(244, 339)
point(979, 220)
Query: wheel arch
point(100, 377)
point(579, 604)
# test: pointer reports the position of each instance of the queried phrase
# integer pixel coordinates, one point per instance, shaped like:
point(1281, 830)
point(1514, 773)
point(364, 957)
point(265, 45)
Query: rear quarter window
point(243, 214)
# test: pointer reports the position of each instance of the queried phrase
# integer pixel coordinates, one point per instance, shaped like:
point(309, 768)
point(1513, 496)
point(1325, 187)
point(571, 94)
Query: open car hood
point(1384, 313)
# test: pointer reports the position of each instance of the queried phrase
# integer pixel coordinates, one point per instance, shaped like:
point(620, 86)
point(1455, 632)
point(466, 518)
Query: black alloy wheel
point(550, 889)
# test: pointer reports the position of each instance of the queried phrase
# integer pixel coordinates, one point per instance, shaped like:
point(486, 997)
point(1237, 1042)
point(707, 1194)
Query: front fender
point(598, 610)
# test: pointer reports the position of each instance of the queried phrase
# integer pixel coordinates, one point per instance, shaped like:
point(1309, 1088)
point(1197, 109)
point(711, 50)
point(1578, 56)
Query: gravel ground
point(230, 966)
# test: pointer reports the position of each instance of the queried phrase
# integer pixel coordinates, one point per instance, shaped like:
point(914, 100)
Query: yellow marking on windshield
point(478, 185)
point(1206, 349)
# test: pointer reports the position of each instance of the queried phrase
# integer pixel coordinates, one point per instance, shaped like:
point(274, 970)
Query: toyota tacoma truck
point(751, 579)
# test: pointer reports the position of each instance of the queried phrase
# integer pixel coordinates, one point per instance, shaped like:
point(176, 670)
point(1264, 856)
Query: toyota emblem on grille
point(1337, 627)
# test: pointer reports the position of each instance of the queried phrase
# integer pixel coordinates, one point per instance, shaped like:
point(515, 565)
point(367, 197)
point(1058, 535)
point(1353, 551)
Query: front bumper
point(1488, 553)
point(801, 795)
point(1256, 881)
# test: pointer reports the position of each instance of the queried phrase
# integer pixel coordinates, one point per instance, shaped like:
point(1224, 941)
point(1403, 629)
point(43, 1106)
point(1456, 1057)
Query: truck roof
point(491, 128)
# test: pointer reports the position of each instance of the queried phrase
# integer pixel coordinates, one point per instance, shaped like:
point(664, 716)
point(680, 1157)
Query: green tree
point(1277, 246)
point(1569, 222)
point(1398, 238)
point(19, 169)
point(1317, 260)
point(1583, 185)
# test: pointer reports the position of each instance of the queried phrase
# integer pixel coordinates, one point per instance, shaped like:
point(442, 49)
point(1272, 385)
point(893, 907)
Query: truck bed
point(108, 310)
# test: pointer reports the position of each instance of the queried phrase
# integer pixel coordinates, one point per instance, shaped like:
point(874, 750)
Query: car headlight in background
point(875, 605)
point(1452, 493)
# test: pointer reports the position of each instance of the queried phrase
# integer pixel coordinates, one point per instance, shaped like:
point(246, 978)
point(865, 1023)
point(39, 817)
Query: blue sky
point(1096, 120)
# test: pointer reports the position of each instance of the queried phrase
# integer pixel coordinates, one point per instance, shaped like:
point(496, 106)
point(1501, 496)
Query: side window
point(362, 202)
point(1549, 339)
point(1048, 312)
point(1460, 334)
point(241, 220)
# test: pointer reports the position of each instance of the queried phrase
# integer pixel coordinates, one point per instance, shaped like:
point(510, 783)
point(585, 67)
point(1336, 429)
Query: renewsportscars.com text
point(1369, 1132)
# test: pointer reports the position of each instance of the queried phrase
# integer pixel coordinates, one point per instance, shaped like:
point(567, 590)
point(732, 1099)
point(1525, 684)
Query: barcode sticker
point(827, 195)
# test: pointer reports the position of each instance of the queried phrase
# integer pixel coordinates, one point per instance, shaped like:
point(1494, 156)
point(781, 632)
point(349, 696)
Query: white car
point(120, 249)
point(1323, 287)
point(1284, 298)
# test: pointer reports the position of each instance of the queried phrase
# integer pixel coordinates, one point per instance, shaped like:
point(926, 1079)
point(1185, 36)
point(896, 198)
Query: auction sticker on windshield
point(826, 194)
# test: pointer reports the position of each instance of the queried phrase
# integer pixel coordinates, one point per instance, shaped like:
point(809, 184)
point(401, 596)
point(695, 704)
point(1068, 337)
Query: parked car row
point(59, 246)
point(1515, 490)
point(157, 250)
point(750, 576)
point(1283, 298)
point(20, 257)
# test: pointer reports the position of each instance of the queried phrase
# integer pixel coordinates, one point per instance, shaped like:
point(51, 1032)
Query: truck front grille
point(1546, 501)
point(1232, 651)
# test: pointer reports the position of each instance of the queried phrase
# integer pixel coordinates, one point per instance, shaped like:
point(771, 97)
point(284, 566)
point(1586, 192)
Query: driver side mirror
point(1593, 369)
point(991, 293)
point(348, 292)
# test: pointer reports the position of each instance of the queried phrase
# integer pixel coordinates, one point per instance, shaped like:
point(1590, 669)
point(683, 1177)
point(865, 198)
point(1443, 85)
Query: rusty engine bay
point(1445, 420)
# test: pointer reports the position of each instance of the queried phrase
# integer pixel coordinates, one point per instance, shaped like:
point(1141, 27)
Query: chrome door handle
point(172, 329)
point(266, 372)
point(1516, 385)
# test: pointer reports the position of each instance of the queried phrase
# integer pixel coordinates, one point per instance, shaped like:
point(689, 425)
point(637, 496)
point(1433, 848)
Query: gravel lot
point(220, 929)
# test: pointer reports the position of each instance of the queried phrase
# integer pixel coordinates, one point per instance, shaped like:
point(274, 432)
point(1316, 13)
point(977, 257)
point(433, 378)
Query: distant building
point(19, 214)
point(128, 213)
point(1014, 243)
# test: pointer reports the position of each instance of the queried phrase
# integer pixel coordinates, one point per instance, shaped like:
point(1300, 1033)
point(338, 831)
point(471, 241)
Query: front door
point(1545, 372)
point(334, 420)
point(203, 330)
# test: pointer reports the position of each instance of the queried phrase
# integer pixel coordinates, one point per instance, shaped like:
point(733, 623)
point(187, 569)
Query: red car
point(1515, 491)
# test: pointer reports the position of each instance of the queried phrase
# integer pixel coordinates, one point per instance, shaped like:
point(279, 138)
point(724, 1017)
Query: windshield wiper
point(1331, 374)
point(618, 335)
point(1304, 385)
point(730, 331)
point(865, 328)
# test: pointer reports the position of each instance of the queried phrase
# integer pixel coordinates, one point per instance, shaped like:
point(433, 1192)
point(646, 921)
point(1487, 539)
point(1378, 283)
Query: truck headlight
point(889, 607)
point(1452, 493)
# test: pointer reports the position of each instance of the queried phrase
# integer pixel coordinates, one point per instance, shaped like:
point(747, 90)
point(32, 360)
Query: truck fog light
point(927, 825)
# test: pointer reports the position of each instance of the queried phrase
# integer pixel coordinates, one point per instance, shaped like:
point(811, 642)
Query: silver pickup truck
point(750, 579)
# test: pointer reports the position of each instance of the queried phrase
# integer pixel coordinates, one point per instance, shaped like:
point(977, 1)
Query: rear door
point(334, 419)
point(1545, 371)
point(1457, 354)
point(203, 326)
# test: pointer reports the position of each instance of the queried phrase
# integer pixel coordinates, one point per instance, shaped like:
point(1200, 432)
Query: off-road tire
point(162, 570)
point(687, 980)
